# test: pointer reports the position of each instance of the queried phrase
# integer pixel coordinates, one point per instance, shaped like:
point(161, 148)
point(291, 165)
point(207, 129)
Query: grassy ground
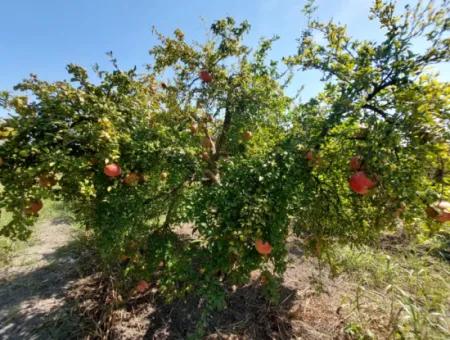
point(401, 292)
point(51, 210)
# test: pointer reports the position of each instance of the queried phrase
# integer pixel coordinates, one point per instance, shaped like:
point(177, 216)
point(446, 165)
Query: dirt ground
point(43, 295)
point(33, 286)
point(312, 307)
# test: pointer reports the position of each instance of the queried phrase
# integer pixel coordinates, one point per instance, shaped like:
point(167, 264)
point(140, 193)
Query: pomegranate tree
point(220, 146)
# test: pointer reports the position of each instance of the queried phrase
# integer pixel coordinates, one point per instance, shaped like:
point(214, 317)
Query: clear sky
point(42, 36)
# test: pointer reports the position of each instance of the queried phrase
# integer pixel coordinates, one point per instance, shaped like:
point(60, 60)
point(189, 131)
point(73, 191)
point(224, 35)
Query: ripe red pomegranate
point(440, 211)
point(34, 207)
point(360, 183)
point(310, 155)
point(356, 163)
point(205, 76)
point(112, 170)
point(444, 217)
point(431, 212)
point(142, 286)
point(264, 248)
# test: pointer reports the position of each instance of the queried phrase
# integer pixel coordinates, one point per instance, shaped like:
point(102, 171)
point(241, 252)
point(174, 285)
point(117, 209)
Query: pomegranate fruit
point(247, 135)
point(132, 179)
point(360, 183)
point(47, 181)
point(112, 170)
point(34, 207)
point(264, 248)
point(205, 76)
point(142, 286)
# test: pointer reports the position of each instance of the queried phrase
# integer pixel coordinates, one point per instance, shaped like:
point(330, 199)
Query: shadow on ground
point(61, 296)
point(32, 294)
point(248, 315)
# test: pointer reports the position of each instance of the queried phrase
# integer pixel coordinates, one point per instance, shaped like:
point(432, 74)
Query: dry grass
point(400, 293)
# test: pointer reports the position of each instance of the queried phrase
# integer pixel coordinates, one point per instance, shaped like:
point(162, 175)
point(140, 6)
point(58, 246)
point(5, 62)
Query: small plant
point(355, 331)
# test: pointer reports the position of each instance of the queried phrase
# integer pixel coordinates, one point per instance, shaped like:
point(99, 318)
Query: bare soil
point(33, 286)
point(312, 306)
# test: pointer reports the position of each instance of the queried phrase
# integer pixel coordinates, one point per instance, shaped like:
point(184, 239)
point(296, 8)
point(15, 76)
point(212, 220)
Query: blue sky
point(43, 36)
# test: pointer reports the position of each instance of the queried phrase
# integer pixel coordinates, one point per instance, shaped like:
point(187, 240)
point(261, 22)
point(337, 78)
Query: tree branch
point(371, 107)
point(174, 190)
point(377, 110)
point(221, 140)
point(379, 88)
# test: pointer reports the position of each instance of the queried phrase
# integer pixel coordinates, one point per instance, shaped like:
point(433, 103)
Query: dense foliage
point(221, 151)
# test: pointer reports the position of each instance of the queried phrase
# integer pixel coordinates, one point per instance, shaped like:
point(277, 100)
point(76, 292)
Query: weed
point(404, 293)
